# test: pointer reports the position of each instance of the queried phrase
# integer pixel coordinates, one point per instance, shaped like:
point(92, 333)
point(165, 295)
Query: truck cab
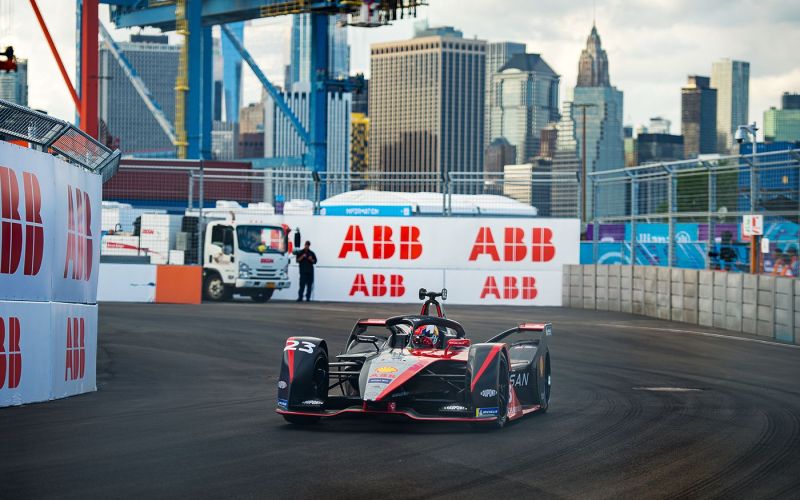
point(246, 258)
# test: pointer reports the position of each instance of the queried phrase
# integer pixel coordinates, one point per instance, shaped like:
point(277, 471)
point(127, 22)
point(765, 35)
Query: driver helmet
point(426, 336)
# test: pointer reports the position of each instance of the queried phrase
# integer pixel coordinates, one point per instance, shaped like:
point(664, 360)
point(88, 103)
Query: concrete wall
point(766, 306)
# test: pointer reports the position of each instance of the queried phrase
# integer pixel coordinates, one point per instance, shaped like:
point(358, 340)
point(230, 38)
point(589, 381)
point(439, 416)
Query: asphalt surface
point(185, 409)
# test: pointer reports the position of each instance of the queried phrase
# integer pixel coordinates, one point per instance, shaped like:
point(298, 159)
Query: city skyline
point(650, 65)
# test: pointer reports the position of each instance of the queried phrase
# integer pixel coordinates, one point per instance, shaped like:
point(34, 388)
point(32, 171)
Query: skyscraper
point(564, 196)
point(121, 108)
point(232, 73)
point(602, 105)
point(732, 81)
point(497, 55)
point(14, 84)
point(698, 117)
point(525, 100)
point(426, 103)
point(281, 139)
point(593, 63)
point(300, 50)
point(783, 124)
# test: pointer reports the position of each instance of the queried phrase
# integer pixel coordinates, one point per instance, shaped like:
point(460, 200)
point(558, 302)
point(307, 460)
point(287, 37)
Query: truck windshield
point(261, 239)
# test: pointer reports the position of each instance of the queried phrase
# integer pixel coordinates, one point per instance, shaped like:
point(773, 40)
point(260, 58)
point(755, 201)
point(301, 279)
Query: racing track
point(186, 398)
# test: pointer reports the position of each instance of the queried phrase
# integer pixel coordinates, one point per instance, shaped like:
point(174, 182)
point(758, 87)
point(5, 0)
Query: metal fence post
point(595, 225)
point(712, 207)
point(671, 217)
point(190, 203)
point(200, 203)
point(634, 213)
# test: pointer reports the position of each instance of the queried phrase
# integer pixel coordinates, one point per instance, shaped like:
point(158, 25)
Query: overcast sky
point(652, 45)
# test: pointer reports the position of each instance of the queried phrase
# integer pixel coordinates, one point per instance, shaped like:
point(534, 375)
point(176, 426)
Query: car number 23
point(292, 345)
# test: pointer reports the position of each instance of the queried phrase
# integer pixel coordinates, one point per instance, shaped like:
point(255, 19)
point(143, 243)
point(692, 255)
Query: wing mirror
point(400, 340)
point(453, 343)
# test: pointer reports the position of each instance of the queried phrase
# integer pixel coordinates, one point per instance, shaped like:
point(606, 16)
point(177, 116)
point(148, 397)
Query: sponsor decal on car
point(488, 393)
point(282, 384)
point(312, 402)
point(454, 408)
point(487, 412)
point(386, 369)
point(379, 380)
point(283, 403)
point(519, 379)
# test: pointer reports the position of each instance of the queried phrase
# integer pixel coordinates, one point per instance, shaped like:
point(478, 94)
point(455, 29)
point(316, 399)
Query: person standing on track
point(306, 259)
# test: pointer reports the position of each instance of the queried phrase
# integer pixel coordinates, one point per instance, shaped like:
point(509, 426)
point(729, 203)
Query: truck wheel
point(215, 288)
point(262, 295)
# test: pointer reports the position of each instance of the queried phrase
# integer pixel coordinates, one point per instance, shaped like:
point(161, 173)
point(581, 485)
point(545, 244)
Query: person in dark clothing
point(306, 260)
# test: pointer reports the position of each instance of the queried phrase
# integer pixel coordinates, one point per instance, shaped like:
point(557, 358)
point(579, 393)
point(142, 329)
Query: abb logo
point(11, 359)
point(513, 288)
point(514, 247)
point(79, 235)
point(383, 246)
point(13, 226)
point(75, 365)
point(395, 287)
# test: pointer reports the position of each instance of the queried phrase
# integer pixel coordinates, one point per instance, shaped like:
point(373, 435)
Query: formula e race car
point(421, 367)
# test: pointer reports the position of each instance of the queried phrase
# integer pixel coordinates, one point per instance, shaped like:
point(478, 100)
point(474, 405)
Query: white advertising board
point(49, 228)
point(73, 349)
point(27, 213)
point(77, 235)
point(440, 242)
point(366, 285)
point(127, 283)
point(521, 257)
point(25, 336)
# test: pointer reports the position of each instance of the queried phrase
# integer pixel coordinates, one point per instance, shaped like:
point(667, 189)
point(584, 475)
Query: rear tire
point(262, 295)
point(545, 397)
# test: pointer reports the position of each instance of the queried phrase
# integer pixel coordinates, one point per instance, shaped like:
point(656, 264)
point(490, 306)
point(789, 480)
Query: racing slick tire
point(492, 387)
point(545, 386)
point(215, 289)
point(310, 381)
point(262, 296)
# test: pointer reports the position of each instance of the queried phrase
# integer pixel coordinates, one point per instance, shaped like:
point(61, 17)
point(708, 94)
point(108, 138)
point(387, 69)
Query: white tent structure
point(433, 203)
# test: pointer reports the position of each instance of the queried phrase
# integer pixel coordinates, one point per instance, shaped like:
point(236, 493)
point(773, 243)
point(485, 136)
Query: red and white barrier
point(49, 255)
point(512, 261)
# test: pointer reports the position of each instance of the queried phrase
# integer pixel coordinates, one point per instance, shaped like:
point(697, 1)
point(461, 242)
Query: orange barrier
point(179, 284)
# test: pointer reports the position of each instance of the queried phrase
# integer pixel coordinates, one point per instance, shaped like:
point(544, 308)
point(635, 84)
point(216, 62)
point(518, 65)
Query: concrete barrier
point(766, 306)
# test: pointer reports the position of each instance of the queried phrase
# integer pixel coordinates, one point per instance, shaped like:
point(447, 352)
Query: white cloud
point(652, 44)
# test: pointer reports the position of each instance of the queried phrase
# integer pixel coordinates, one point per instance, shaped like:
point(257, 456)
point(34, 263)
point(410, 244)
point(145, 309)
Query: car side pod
point(303, 381)
point(487, 381)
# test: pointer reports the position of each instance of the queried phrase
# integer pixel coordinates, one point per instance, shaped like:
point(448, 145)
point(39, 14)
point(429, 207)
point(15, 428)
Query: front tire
point(503, 394)
point(215, 289)
point(262, 296)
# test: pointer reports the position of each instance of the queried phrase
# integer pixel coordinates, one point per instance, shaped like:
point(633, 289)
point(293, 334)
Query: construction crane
point(193, 19)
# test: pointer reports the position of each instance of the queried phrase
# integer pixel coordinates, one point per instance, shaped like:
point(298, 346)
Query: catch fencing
point(147, 199)
point(689, 214)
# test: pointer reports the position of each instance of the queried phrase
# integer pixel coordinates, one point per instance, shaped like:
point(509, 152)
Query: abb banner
point(49, 228)
point(480, 260)
point(49, 225)
point(47, 351)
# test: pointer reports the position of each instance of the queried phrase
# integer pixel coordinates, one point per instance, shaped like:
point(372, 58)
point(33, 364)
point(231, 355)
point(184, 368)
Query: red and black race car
point(420, 366)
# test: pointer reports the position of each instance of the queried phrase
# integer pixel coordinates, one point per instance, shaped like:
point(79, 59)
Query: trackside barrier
point(481, 260)
point(767, 306)
point(49, 262)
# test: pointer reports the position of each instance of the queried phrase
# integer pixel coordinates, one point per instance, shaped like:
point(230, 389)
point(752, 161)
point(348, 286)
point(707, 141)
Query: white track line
point(704, 334)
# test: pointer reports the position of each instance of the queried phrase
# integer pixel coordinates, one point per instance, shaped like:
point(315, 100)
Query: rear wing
point(546, 330)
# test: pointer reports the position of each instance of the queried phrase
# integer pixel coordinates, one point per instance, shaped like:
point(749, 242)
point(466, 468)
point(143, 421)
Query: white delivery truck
point(242, 251)
point(244, 255)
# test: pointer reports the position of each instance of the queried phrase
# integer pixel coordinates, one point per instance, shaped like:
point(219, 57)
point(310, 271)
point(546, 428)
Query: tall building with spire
point(593, 64)
point(598, 104)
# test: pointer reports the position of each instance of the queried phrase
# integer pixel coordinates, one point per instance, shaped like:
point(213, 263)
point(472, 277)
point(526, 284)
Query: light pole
point(583, 161)
point(743, 132)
